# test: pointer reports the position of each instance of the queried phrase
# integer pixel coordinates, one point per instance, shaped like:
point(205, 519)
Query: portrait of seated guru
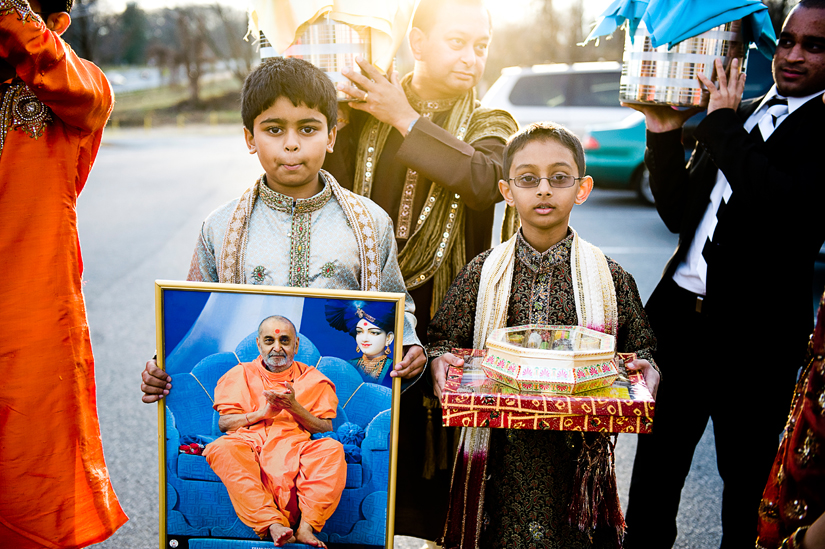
point(281, 483)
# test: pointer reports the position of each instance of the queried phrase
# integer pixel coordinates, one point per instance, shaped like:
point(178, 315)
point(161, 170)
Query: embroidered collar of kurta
point(541, 266)
point(298, 206)
point(542, 262)
point(233, 252)
point(426, 107)
point(301, 230)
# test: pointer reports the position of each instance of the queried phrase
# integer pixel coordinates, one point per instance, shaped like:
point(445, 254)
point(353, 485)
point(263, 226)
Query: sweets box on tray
point(471, 399)
point(550, 359)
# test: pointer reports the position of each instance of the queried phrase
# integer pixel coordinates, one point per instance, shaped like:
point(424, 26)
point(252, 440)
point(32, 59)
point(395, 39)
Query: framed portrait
point(237, 453)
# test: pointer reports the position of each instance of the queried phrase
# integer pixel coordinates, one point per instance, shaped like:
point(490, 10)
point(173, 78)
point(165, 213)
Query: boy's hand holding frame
point(155, 382)
point(413, 363)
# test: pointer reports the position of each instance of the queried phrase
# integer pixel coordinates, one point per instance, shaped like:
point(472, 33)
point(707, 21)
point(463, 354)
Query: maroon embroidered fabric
point(795, 492)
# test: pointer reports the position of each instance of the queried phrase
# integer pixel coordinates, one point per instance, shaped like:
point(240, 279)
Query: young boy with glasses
point(545, 274)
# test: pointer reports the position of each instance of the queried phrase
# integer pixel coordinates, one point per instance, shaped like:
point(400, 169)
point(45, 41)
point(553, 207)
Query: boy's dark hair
point(48, 7)
point(299, 81)
point(544, 131)
point(427, 12)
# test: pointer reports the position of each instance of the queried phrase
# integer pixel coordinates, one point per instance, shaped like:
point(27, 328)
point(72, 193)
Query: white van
point(574, 95)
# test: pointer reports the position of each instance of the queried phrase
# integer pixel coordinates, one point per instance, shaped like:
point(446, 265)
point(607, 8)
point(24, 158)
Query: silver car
point(575, 95)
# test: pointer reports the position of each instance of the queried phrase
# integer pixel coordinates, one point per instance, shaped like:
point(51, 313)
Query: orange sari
point(55, 490)
point(272, 470)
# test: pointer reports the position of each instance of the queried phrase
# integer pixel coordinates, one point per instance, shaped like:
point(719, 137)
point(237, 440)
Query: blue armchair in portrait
point(197, 501)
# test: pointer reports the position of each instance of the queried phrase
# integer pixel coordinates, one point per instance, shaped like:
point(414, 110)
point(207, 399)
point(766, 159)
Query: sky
point(500, 9)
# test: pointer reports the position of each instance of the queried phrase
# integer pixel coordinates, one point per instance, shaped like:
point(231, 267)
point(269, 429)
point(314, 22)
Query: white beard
point(274, 362)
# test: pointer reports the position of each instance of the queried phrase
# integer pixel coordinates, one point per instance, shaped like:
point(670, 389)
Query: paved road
point(139, 218)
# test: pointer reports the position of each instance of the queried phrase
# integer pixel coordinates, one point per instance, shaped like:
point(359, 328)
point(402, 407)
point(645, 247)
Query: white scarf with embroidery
point(593, 289)
point(231, 259)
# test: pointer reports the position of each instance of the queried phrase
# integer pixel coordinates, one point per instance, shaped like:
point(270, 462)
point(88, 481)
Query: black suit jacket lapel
point(748, 107)
point(791, 123)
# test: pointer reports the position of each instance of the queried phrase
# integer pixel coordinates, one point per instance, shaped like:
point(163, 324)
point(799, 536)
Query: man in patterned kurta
point(54, 487)
point(426, 152)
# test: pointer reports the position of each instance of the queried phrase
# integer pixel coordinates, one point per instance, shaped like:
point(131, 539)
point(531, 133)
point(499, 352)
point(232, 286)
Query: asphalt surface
point(139, 219)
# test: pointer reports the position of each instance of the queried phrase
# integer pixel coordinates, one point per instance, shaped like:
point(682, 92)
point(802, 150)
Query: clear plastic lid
point(553, 338)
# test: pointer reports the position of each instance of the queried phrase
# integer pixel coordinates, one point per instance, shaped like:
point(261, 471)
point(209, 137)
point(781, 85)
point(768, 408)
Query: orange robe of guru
point(275, 474)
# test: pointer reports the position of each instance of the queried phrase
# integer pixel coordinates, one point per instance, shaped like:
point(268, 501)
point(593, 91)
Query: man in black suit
point(732, 311)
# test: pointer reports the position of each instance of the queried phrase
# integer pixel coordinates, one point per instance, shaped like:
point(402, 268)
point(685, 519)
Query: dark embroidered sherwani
point(531, 472)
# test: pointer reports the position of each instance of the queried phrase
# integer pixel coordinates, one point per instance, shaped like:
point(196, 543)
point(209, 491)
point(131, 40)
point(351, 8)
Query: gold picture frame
point(197, 325)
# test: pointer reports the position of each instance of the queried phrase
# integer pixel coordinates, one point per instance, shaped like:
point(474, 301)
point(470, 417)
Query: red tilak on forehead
point(277, 331)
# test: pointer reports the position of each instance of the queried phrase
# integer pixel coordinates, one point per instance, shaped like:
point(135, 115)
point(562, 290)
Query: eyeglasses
point(558, 181)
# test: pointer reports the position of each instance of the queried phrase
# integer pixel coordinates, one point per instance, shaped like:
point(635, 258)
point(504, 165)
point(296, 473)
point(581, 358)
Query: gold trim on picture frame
point(397, 298)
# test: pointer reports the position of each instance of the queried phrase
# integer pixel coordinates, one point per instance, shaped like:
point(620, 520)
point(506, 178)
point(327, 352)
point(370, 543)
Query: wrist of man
point(406, 124)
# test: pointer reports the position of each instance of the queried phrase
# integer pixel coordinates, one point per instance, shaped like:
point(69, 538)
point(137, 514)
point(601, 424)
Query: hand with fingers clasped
point(278, 401)
point(383, 98)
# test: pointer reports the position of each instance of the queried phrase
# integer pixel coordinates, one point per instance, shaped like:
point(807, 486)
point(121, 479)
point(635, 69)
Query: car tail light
point(589, 143)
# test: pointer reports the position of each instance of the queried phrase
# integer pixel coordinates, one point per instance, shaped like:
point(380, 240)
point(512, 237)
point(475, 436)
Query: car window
point(595, 89)
point(539, 90)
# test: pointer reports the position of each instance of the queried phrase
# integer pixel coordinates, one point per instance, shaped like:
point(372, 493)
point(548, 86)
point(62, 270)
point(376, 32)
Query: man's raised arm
point(73, 88)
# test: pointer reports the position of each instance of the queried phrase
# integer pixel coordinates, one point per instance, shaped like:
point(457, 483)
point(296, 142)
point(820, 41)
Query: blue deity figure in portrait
point(371, 323)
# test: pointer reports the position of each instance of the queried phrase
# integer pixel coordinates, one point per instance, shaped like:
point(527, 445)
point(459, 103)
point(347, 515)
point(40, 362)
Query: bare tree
point(192, 50)
point(237, 49)
point(575, 32)
point(547, 31)
point(163, 57)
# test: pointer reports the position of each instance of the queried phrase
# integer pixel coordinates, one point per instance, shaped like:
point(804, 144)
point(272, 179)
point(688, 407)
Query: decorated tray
point(471, 399)
point(550, 359)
